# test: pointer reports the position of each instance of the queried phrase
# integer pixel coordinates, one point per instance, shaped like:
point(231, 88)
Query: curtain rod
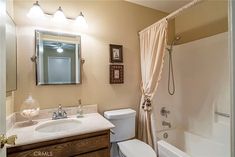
point(175, 13)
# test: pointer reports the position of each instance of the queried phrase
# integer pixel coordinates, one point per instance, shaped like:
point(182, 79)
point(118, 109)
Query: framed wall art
point(116, 55)
point(116, 74)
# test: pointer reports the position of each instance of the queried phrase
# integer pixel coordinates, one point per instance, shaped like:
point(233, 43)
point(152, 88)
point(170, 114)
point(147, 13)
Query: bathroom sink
point(61, 125)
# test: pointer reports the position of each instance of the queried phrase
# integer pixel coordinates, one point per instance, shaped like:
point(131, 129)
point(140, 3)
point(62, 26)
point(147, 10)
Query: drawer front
point(66, 149)
point(100, 153)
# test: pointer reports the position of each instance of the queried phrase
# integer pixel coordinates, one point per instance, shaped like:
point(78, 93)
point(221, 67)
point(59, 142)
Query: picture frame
point(116, 74)
point(116, 54)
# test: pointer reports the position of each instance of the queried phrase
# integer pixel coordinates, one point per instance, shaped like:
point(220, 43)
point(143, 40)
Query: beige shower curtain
point(152, 48)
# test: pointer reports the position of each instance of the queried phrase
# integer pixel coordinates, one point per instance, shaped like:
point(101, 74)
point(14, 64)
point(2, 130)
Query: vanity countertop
point(92, 122)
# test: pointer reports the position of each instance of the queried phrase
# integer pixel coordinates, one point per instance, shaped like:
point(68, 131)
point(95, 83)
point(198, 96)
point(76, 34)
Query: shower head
point(177, 38)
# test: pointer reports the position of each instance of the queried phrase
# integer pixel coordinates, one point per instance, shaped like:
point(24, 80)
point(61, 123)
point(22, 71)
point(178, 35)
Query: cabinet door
point(100, 153)
point(10, 55)
point(69, 148)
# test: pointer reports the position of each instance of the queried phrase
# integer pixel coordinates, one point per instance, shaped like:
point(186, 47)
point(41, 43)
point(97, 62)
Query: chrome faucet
point(164, 123)
point(60, 114)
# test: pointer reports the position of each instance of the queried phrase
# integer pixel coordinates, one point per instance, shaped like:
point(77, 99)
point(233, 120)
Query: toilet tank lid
point(119, 114)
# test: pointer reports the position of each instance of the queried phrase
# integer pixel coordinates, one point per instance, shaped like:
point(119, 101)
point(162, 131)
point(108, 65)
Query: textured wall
point(116, 22)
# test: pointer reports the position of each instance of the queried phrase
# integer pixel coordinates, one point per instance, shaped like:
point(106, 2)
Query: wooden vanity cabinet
point(87, 145)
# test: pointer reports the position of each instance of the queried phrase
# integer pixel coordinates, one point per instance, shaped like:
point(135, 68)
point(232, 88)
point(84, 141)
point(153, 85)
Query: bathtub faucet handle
point(164, 112)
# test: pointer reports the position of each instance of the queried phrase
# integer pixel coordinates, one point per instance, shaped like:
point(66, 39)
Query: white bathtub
point(185, 144)
point(167, 150)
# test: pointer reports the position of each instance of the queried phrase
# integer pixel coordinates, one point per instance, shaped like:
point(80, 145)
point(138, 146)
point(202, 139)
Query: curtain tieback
point(147, 106)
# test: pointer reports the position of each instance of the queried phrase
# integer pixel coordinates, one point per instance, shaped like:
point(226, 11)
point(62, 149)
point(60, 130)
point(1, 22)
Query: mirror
point(58, 58)
point(11, 55)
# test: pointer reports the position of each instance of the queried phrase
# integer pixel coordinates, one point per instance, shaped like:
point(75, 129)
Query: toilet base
point(114, 150)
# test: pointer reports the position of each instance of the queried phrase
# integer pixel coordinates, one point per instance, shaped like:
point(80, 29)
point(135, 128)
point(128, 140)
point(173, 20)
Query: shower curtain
point(152, 47)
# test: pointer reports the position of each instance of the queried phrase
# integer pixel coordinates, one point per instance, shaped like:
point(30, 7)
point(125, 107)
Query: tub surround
point(90, 123)
point(201, 89)
point(195, 145)
point(207, 84)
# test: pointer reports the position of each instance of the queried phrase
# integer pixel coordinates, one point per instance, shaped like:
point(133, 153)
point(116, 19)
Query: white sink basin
point(60, 125)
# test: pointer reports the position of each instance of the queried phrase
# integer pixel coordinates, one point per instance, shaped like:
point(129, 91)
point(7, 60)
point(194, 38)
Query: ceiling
point(162, 5)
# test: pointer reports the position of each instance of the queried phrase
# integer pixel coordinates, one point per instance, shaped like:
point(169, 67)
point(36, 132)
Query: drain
point(165, 135)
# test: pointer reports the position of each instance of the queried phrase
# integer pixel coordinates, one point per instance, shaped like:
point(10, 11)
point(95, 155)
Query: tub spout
point(164, 123)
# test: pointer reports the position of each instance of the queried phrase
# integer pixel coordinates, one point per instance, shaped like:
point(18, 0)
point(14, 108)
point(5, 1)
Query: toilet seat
point(136, 148)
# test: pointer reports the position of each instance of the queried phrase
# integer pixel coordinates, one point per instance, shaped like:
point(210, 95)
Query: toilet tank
point(124, 121)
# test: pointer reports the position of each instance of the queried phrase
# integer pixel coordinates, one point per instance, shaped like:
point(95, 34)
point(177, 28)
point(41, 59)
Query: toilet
point(121, 137)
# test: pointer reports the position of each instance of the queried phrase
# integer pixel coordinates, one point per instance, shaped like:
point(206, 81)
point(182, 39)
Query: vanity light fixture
point(58, 16)
point(81, 21)
point(35, 11)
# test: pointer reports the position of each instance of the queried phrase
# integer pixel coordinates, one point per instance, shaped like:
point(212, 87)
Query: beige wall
point(205, 19)
point(110, 22)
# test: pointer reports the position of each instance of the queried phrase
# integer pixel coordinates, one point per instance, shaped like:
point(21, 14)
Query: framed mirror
point(58, 58)
point(11, 55)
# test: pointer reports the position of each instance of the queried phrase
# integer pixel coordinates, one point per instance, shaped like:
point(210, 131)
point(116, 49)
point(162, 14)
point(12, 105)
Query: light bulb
point(59, 15)
point(59, 50)
point(35, 11)
point(81, 21)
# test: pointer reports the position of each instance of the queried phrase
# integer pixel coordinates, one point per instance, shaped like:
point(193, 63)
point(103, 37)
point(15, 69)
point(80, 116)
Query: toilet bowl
point(122, 136)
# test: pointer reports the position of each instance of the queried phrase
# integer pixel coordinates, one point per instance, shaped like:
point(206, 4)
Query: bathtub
point(167, 150)
point(185, 144)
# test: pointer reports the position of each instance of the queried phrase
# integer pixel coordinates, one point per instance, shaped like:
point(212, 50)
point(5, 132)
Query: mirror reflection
point(58, 58)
